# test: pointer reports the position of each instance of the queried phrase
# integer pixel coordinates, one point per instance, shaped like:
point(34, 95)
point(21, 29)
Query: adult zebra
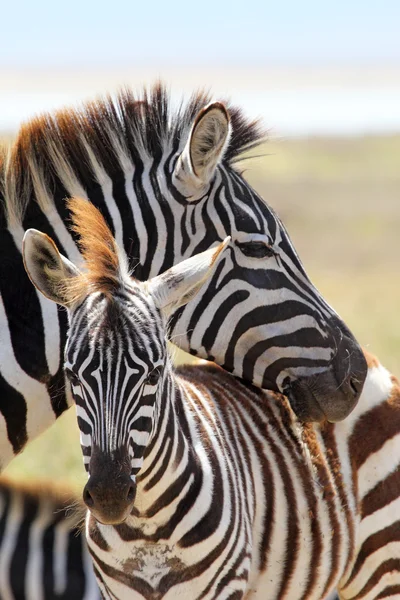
point(167, 187)
point(198, 487)
point(43, 554)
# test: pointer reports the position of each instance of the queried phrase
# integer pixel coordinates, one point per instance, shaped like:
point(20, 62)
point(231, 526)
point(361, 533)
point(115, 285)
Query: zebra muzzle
point(110, 491)
point(110, 502)
point(333, 393)
point(327, 396)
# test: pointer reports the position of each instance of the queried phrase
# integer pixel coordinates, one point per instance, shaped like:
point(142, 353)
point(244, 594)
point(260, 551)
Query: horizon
point(291, 102)
point(305, 69)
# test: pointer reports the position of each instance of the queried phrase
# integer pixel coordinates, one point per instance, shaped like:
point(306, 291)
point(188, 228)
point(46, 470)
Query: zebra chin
point(112, 518)
point(322, 397)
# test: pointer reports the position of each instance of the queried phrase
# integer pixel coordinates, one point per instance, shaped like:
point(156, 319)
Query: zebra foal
point(201, 486)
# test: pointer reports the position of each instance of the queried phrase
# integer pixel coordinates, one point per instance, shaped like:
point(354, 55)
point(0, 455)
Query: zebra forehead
point(124, 322)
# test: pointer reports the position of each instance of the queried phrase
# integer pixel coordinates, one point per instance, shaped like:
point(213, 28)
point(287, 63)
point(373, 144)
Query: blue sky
point(45, 33)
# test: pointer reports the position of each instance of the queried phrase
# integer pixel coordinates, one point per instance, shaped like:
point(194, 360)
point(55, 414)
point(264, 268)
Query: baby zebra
point(43, 554)
point(199, 487)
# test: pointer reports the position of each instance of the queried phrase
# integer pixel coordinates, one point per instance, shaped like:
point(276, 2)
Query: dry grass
point(340, 201)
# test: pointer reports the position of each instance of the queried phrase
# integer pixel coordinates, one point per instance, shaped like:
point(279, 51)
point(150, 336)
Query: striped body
point(43, 554)
point(283, 511)
point(27, 533)
point(200, 486)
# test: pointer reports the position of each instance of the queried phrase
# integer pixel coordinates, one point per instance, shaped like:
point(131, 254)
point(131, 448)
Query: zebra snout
point(110, 500)
point(332, 394)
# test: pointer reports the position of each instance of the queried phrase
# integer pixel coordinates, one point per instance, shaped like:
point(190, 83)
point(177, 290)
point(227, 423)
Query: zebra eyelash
point(154, 376)
point(72, 378)
point(256, 249)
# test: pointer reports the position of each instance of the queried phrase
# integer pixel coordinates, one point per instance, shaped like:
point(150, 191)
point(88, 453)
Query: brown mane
point(70, 152)
point(105, 264)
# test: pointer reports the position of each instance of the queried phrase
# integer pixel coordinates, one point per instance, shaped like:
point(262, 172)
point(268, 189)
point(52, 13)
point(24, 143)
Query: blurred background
point(325, 79)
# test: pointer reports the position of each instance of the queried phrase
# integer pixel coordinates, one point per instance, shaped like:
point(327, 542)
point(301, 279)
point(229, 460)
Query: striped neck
point(170, 457)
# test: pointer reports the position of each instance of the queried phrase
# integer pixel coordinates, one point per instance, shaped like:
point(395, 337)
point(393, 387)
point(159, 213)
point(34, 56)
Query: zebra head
point(116, 356)
point(260, 316)
point(167, 186)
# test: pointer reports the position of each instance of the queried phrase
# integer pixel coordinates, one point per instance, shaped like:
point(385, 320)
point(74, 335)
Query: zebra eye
point(256, 249)
point(73, 379)
point(153, 376)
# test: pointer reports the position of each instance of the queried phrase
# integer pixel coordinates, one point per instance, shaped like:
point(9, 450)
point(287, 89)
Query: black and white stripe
point(202, 486)
point(259, 317)
point(240, 497)
point(43, 554)
point(235, 496)
point(216, 473)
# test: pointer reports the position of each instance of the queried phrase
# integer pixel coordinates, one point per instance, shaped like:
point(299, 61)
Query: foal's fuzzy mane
point(68, 153)
point(105, 264)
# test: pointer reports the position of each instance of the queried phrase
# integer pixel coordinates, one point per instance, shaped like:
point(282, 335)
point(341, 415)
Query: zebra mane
point(81, 148)
point(105, 264)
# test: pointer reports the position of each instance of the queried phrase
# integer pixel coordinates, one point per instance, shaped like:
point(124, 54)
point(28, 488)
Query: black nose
point(110, 499)
point(334, 393)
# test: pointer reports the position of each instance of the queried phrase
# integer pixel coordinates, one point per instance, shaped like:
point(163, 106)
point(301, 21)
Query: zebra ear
point(204, 149)
point(45, 266)
point(178, 285)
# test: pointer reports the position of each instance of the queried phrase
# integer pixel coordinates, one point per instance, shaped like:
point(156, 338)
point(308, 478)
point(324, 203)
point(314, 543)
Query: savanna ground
point(340, 201)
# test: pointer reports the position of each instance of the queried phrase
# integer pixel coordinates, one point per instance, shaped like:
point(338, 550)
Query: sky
point(282, 60)
point(82, 32)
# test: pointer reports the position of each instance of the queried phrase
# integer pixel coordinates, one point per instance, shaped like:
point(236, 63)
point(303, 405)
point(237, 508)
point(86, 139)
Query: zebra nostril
point(354, 386)
point(87, 498)
point(131, 494)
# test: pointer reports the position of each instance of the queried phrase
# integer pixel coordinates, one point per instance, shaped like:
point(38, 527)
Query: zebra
point(167, 185)
point(43, 554)
point(200, 484)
